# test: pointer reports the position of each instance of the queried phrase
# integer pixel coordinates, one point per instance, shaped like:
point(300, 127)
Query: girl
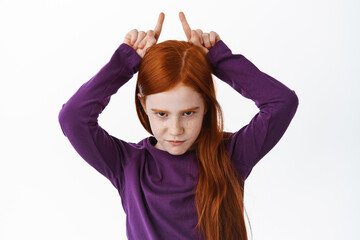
point(186, 180)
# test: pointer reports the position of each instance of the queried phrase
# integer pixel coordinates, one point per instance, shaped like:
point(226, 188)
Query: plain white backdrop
point(306, 187)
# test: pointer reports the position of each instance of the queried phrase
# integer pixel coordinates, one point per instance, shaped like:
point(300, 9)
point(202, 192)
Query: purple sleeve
point(78, 117)
point(277, 106)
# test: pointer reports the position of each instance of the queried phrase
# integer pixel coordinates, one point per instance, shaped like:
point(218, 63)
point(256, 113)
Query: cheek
point(155, 125)
point(195, 125)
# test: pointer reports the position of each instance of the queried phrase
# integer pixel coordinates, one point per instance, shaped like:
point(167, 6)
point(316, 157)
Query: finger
point(131, 37)
point(142, 44)
point(159, 25)
point(195, 38)
point(134, 35)
point(214, 38)
point(185, 25)
point(217, 38)
point(150, 38)
point(141, 36)
point(200, 33)
point(127, 39)
point(206, 40)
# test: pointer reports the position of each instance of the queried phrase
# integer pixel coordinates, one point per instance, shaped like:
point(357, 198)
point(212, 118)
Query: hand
point(141, 41)
point(204, 40)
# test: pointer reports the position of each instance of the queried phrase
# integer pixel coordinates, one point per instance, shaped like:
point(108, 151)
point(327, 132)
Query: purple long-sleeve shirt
point(157, 188)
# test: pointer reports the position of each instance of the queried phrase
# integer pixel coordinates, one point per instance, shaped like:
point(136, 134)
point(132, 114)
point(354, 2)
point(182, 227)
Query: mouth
point(176, 143)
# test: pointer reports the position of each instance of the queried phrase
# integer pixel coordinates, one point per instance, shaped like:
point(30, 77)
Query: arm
point(277, 106)
point(79, 115)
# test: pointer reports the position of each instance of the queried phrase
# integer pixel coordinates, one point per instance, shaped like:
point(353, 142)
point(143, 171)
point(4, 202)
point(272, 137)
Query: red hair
point(219, 192)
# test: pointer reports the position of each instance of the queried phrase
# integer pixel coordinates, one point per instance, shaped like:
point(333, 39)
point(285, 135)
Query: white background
point(306, 187)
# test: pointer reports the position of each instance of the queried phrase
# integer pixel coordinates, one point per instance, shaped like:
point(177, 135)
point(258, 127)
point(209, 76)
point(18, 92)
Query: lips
point(176, 143)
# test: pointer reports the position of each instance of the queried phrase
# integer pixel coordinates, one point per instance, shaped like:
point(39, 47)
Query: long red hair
point(219, 192)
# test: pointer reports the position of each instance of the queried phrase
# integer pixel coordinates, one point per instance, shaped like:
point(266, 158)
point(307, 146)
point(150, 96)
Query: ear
point(142, 101)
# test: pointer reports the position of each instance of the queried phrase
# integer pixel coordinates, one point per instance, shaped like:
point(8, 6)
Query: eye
point(189, 113)
point(160, 114)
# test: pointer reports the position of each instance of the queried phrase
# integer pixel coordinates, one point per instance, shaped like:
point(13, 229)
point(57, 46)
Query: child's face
point(175, 115)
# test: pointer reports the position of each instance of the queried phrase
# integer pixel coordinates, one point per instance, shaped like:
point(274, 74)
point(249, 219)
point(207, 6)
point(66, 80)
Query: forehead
point(177, 98)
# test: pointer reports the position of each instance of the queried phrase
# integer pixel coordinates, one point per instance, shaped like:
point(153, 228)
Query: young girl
point(186, 180)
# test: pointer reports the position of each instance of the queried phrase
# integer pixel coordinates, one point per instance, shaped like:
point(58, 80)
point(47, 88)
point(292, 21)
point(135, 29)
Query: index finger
point(185, 25)
point(159, 24)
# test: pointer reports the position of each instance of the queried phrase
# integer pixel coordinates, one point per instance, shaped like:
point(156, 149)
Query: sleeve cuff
point(218, 51)
point(133, 56)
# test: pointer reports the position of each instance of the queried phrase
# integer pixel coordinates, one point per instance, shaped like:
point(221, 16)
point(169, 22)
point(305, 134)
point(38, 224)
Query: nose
point(175, 127)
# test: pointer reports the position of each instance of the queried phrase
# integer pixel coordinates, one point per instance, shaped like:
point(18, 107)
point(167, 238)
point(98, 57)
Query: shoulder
point(130, 151)
point(228, 138)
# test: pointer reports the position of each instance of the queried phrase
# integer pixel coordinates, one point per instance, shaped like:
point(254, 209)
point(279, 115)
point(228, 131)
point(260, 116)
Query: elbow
point(64, 114)
point(66, 117)
point(291, 102)
point(294, 100)
point(62, 118)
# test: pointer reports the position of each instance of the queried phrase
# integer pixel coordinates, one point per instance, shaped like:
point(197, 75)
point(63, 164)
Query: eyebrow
point(185, 110)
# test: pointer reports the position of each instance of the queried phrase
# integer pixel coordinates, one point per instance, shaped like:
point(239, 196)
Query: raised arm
point(78, 117)
point(276, 102)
